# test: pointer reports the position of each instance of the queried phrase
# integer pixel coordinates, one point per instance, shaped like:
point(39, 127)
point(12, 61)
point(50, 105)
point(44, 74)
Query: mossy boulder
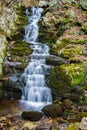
point(53, 110)
point(71, 51)
point(63, 78)
point(32, 115)
point(20, 48)
point(67, 48)
point(76, 72)
point(59, 81)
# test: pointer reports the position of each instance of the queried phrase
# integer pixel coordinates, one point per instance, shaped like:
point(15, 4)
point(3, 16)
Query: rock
point(83, 124)
point(43, 3)
point(71, 115)
point(67, 104)
point(54, 61)
point(59, 81)
point(32, 115)
point(74, 97)
point(53, 110)
point(83, 4)
point(44, 124)
point(85, 108)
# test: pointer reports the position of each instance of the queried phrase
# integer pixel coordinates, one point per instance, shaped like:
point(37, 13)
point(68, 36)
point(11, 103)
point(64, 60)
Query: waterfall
point(36, 94)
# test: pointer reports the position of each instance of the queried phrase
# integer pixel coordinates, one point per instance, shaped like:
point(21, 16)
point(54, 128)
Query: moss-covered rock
point(67, 104)
point(53, 110)
point(64, 77)
point(67, 47)
point(17, 55)
point(32, 115)
point(59, 81)
point(54, 61)
point(76, 72)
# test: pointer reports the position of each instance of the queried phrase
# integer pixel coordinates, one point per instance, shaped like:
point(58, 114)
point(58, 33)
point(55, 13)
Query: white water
point(36, 94)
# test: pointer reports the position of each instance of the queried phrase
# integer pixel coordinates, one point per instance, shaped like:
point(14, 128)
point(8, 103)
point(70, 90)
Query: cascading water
point(36, 94)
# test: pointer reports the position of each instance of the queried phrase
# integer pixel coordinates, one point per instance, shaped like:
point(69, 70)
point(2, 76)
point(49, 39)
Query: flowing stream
point(36, 94)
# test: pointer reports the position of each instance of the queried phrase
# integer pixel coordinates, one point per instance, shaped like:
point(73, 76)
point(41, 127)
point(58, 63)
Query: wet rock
point(32, 115)
point(53, 110)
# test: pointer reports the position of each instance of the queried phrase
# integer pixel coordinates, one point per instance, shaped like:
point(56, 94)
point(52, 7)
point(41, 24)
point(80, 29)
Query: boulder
point(83, 124)
point(53, 110)
point(32, 115)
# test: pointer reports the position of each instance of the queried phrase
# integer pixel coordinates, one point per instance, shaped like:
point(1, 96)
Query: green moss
point(20, 48)
point(64, 77)
point(82, 114)
point(76, 72)
point(68, 113)
point(67, 48)
point(59, 81)
point(71, 50)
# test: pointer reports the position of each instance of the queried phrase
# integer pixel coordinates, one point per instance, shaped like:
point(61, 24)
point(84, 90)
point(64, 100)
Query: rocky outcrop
point(64, 30)
point(17, 58)
point(7, 25)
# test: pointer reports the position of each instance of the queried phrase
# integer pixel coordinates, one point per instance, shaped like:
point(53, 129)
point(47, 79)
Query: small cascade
point(36, 94)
